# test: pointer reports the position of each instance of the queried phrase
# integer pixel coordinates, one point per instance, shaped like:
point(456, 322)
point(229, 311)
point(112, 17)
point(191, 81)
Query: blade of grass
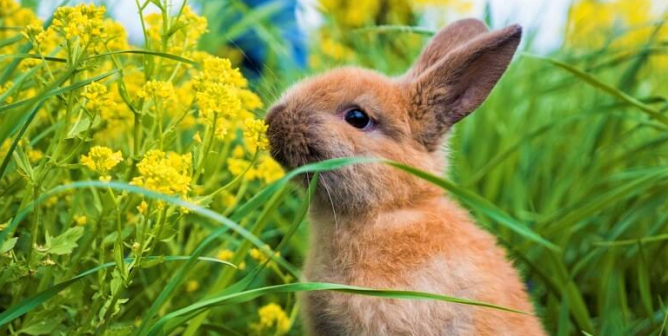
point(147, 52)
point(245, 296)
point(242, 284)
point(396, 29)
point(595, 82)
point(480, 204)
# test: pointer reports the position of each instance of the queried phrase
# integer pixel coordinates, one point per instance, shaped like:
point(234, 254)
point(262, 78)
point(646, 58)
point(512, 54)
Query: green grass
point(566, 163)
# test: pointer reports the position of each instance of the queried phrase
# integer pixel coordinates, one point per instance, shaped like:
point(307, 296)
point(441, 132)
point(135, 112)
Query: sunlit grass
point(566, 162)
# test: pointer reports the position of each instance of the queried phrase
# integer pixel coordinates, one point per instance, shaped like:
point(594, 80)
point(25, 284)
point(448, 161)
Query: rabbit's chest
point(333, 314)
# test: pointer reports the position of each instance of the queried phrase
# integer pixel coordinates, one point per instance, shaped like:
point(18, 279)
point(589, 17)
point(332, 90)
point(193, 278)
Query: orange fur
point(375, 226)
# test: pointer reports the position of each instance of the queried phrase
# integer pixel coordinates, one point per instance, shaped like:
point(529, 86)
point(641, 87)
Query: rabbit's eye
point(357, 118)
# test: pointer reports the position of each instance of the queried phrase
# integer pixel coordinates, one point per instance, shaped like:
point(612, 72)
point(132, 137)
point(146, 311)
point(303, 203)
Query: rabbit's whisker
point(331, 201)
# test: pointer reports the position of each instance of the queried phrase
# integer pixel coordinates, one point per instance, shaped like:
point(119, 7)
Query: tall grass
point(566, 162)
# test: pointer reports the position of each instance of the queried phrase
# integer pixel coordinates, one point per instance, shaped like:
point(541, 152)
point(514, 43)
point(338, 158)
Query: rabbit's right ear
point(455, 74)
point(445, 41)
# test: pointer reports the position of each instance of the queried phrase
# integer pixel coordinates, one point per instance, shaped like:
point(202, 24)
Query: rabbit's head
point(350, 112)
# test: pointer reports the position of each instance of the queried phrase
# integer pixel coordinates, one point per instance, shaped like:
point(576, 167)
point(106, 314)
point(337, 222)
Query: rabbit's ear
point(457, 83)
point(445, 41)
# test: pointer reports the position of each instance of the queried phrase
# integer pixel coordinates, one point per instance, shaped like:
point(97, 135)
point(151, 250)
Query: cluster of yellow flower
point(83, 21)
point(101, 160)
point(178, 40)
point(336, 45)
point(96, 96)
point(368, 12)
point(157, 89)
point(167, 118)
point(167, 173)
point(266, 169)
point(13, 15)
point(215, 94)
point(135, 111)
point(272, 317)
point(624, 24)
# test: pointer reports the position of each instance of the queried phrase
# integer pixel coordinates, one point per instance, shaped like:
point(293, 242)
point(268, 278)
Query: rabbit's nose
point(279, 134)
point(292, 136)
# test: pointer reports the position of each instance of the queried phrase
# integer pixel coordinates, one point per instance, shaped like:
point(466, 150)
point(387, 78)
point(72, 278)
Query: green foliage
point(566, 162)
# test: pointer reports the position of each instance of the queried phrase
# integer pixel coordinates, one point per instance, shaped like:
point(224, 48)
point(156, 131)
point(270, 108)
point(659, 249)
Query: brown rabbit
point(378, 227)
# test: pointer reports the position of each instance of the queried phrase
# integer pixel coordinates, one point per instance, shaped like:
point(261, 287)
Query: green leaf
point(81, 125)
point(66, 242)
point(39, 57)
point(40, 327)
point(8, 244)
point(32, 302)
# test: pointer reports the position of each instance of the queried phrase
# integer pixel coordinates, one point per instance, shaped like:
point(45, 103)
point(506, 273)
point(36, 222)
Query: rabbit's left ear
point(455, 85)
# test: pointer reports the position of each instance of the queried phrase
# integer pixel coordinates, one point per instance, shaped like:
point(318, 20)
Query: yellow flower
point(4, 148)
point(272, 316)
point(197, 138)
point(227, 199)
point(620, 23)
point(225, 255)
point(237, 166)
point(142, 207)
point(84, 23)
point(217, 99)
point(256, 133)
point(167, 173)
point(269, 170)
point(335, 49)
point(192, 286)
point(101, 160)
point(116, 37)
point(32, 30)
point(352, 14)
point(96, 96)
point(157, 89)
point(260, 256)
point(249, 100)
point(219, 70)
point(189, 28)
point(217, 86)
point(456, 5)
point(222, 128)
point(238, 152)
point(80, 220)
point(4, 88)
point(30, 63)
point(34, 155)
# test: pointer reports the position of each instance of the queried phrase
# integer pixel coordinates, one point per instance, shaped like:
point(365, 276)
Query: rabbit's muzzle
point(293, 137)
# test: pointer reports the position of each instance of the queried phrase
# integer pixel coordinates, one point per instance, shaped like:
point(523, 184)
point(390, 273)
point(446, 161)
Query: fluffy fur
point(375, 226)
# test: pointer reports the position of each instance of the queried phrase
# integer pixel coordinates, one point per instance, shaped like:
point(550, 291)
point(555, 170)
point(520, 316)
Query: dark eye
point(357, 118)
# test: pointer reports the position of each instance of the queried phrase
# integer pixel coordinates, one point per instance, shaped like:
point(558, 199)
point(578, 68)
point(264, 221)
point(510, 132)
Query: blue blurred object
point(256, 50)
